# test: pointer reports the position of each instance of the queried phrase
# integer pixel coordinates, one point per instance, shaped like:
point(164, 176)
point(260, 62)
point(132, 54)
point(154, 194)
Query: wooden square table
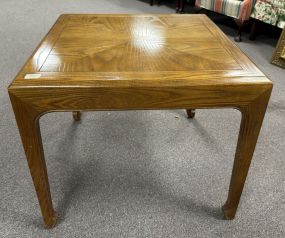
point(129, 62)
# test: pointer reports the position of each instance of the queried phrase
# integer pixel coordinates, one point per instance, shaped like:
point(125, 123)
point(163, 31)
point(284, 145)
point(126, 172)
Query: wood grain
point(133, 62)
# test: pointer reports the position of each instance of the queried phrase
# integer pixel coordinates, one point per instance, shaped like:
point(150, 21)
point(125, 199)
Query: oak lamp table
point(130, 62)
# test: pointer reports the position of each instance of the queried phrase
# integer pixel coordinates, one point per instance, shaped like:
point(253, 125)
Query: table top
point(129, 50)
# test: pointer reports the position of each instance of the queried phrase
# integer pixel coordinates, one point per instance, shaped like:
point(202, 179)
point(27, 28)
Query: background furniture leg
point(252, 34)
point(190, 113)
point(28, 124)
point(252, 117)
point(180, 6)
point(240, 27)
point(76, 115)
point(177, 6)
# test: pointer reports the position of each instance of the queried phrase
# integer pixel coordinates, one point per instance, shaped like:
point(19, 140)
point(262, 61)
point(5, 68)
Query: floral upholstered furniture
point(240, 10)
point(270, 11)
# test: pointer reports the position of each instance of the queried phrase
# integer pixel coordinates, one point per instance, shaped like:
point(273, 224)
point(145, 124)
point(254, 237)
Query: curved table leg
point(28, 123)
point(76, 115)
point(190, 113)
point(252, 117)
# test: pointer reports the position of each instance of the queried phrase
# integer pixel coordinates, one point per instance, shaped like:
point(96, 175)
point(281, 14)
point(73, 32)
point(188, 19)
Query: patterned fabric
point(239, 9)
point(270, 11)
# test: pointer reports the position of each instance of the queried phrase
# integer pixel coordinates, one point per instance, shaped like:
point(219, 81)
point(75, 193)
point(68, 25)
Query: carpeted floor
point(139, 173)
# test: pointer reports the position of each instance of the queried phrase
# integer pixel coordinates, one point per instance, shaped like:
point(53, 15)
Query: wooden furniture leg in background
point(252, 117)
point(240, 25)
point(28, 123)
point(180, 6)
point(177, 6)
point(190, 113)
point(76, 115)
point(252, 34)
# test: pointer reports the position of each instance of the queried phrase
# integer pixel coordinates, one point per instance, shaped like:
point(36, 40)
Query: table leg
point(190, 113)
point(177, 6)
point(180, 6)
point(28, 123)
point(252, 117)
point(76, 115)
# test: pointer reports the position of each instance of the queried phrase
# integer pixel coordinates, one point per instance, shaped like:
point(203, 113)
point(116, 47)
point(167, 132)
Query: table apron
point(88, 99)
